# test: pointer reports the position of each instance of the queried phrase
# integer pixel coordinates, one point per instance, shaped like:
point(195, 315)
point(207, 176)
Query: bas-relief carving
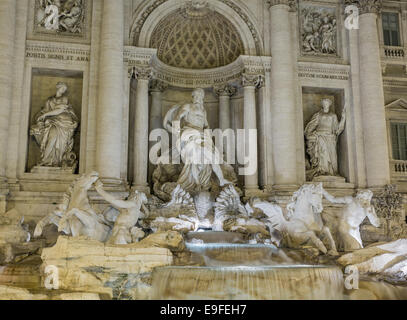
point(321, 134)
point(60, 16)
point(318, 30)
point(54, 130)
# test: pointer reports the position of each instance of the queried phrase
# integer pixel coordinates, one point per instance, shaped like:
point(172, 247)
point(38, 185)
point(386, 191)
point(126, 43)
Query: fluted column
point(372, 96)
point(7, 34)
point(283, 92)
point(110, 102)
point(141, 123)
point(250, 83)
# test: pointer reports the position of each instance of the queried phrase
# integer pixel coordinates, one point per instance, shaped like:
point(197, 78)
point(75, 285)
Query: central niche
point(196, 38)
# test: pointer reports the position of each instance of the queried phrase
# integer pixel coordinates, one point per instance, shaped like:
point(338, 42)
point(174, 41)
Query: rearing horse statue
point(304, 221)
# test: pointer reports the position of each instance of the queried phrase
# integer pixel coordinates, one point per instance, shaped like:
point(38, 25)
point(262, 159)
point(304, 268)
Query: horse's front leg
point(315, 240)
point(327, 232)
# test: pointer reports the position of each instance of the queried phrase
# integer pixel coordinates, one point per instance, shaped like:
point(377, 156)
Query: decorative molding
point(326, 71)
point(147, 12)
point(252, 80)
point(366, 6)
point(57, 51)
point(225, 90)
point(291, 3)
point(158, 85)
point(141, 73)
point(399, 104)
point(396, 83)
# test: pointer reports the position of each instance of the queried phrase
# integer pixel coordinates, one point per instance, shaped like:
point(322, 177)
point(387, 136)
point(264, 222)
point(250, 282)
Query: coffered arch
point(154, 12)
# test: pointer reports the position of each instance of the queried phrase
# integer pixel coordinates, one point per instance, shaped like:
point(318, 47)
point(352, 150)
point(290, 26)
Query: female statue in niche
point(322, 134)
point(54, 130)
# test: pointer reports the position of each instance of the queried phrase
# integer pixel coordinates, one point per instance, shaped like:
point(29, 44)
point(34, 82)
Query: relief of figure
point(54, 130)
point(322, 134)
point(61, 15)
point(318, 31)
point(352, 216)
point(195, 146)
point(125, 230)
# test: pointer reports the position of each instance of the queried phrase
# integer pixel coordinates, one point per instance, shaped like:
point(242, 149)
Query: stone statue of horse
point(303, 222)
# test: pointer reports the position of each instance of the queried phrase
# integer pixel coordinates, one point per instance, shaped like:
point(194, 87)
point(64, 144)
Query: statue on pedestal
point(322, 134)
point(54, 130)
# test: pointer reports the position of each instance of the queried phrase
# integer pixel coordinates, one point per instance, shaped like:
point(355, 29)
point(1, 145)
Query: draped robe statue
point(195, 146)
point(54, 130)
point(322, 134)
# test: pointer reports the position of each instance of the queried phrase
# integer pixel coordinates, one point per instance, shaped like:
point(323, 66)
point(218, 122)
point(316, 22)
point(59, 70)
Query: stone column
point(372, 96)
point(225, 92)
point(141, 122)
point(157, 87)
point(7, 34)
point(110, 101)
point(283, 92)
point(250, 83)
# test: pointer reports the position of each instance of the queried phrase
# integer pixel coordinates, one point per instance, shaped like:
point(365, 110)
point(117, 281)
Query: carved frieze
point(318, 29)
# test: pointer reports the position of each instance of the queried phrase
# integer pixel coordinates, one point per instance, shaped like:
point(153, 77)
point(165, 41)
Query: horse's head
point(309, 194)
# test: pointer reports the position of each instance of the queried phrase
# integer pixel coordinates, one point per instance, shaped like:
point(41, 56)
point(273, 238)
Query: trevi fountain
point(203, 150)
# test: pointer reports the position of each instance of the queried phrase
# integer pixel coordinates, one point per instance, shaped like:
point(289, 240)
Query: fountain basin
point(284, 282)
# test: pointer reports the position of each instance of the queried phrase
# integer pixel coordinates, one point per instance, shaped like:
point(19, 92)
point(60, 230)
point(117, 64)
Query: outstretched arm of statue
point(372, 216)
point(119, 204)
point(339, 200)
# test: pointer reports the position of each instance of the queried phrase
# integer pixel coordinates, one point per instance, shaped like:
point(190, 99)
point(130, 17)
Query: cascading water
point(246, 283)
point(246, 271)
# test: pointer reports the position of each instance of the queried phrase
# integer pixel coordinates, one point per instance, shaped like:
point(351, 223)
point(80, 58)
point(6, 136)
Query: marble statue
point(321, 134)
point(352, 215)
point(303, 221)
point(79, 218)
point(61, 15)
point(195, 146)
point(318, 30)
point(54, 130)
point(125, 230)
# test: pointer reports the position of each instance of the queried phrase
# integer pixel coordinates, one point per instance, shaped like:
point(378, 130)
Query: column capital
point(252, 80)
point(292, 4)
point(141, 73)
point(157, 85)
point(366, 6)
point(225, 90)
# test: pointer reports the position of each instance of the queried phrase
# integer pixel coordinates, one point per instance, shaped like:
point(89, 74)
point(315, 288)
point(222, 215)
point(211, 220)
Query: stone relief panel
point(55, 116)
point(318, 30)
point(62, 17)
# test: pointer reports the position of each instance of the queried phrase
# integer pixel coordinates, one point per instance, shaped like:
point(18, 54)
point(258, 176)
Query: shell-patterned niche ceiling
point(196, 38)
